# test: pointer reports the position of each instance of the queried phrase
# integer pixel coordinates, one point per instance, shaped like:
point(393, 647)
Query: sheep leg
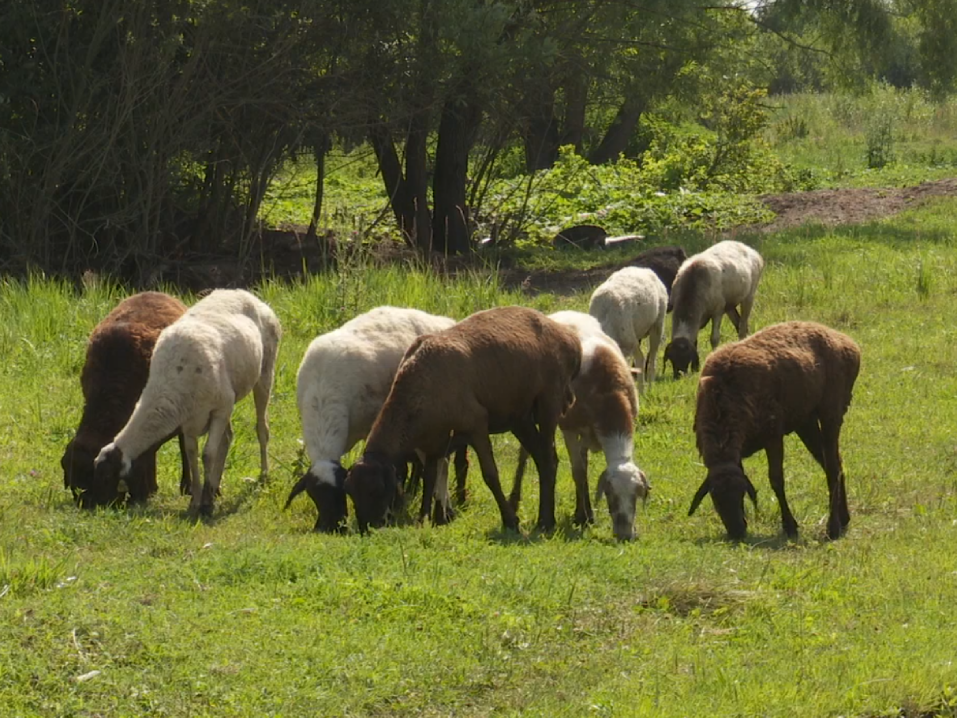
point(578, 456)
point(839, 517)
point(654, 341)
point(483, 450)
point(191, 447)
point(461, 474)
point(815, 441)
point(442, 514)
point(716, 329)
point(733, 315)
point(184, 480)
point(261, 398)
point(775, 454)
point(515, 498)
point(536, 441)
point(429, 469)
point(214, 459)
point(640, 363)
point(745, 315)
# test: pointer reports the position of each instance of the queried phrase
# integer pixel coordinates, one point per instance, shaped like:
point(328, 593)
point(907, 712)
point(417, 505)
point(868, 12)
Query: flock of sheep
point(420, 388)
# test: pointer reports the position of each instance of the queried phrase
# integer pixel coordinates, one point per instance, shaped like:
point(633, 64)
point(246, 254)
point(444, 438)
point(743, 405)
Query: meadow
point(139, 610)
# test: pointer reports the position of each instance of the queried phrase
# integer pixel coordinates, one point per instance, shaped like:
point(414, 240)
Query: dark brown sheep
point(117, 365)
point(503, 369)
point(663, 261)
point(790, 377)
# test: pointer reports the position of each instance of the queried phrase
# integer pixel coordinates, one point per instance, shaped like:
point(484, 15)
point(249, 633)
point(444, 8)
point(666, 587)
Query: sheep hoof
point(835, 529)
point(584, 519)
point(442, 515)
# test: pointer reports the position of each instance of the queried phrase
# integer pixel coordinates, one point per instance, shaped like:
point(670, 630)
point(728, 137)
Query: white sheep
point(502, 369)
point(710, 284)
point(602, 419)
point(631, 305)
point(222, 349)
point(343, 380)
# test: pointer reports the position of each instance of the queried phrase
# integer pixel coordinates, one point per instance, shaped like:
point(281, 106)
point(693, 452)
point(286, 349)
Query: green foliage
point(140, 611)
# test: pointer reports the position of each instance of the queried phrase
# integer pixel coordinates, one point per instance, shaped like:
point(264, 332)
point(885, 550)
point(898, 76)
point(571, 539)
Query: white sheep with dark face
point(220, 350)
point(709, 285)
point(343, 380)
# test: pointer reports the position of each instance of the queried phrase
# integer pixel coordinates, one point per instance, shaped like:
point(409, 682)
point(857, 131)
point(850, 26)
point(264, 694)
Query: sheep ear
point(699, 496)
point(602, 486)
point(300, 486)
point(666, 357)
point(752, 493)
point(695, 362)
point(340, 474)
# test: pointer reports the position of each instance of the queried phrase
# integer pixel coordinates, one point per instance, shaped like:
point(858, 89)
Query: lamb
point(631, 305)
point(342, 383)
point(709, 285)
point(790, 377)
point(602, 419)
point(114, 374)
point(663, 261)
point(502, 369)
point(221, 349)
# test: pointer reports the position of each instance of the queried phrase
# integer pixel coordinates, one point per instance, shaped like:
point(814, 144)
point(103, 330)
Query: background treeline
point(134, 131)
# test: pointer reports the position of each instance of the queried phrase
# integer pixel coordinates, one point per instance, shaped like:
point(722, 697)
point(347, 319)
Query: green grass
point(252, 614)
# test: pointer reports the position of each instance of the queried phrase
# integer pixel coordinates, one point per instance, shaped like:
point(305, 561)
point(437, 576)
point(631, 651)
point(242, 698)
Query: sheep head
point(79, 476)
point(622, 486)
point(727, 483)
point(111, 468)
point(325, 484)
point(682, 353)
point(374, 489)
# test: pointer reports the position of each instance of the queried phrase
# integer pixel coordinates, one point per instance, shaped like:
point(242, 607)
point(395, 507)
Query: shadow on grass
point(776, 542)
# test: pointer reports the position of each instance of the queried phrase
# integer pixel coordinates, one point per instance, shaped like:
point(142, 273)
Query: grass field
point(129, 612)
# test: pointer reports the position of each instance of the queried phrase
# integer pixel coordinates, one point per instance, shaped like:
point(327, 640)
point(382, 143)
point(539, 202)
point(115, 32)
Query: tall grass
point(251, 614)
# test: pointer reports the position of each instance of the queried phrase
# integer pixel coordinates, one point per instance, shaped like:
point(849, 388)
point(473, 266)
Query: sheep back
point(663, 261)
point(769, 385)
point(628, 304)
point(116, 369)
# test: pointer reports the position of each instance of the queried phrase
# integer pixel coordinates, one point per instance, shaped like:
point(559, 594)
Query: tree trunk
point(622, 127)
point(417, 181)
point(461, 116)
point(576, 96)
point(395, 185)
point(541, 129)
point(319, 151)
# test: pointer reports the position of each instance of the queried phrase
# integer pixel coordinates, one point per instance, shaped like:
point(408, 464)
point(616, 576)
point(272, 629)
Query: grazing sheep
point(631, 305)
point(503, 369)
point(790, 377)
point(114, 374)
point(602, 419)
point(342, 383)
point(223, 348)
point(663, 261)
point(709, 285)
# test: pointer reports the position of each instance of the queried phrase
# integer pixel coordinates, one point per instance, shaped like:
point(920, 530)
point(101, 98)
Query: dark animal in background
point(116, 369)
point(790, 377)
point(581, 236)
point(503, 369)
point(663, 261)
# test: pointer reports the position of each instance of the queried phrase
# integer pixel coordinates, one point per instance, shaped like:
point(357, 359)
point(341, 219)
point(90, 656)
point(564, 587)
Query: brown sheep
point(117, 365)
point(790, 377)
point(502, 369)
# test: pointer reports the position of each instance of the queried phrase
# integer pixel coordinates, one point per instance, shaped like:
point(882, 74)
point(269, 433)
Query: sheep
point(221, 349)
point(601, 419)
point(502, 369)
point(663, 261)
point(790, 377)
point(114, 374)
point(631, 305)
point(709, 285)
point(342, 383)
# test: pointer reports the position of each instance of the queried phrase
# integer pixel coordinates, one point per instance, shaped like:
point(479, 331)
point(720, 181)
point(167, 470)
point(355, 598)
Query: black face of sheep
point(374, 489)
point(80, 477)
point(330, 500)
point(110, 469)
point(682, 354)
point(727, 486)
